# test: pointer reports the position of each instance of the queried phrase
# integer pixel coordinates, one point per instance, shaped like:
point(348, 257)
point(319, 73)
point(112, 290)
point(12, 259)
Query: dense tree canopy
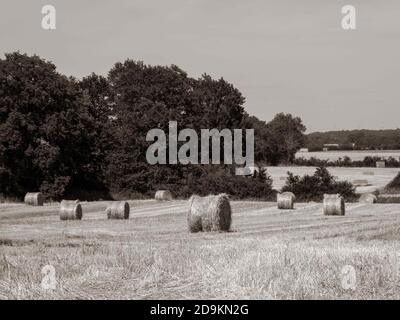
point(148, 97)
point(286, 136)
point(69, 138)
point(278, 140)
point(46, 129)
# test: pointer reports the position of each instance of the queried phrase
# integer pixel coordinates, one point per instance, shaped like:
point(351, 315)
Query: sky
point(288, 56)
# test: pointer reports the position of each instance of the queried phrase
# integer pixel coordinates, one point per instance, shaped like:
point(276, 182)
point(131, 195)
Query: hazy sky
point(283, 55)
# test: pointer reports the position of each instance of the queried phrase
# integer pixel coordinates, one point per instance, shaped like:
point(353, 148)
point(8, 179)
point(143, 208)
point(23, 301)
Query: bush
point(388, 198)
point(184, 181)
point(214, 180)
point(394, 185)
point(313, 188)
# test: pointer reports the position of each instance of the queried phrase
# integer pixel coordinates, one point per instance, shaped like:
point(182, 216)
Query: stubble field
point(375, 178)
point(270, 253)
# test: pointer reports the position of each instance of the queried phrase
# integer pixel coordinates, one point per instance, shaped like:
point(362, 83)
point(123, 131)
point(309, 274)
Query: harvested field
point(269, 254)
point(379, 179)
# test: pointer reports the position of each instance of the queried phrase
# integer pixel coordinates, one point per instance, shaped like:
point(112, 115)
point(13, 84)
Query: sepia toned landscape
point(199, 150)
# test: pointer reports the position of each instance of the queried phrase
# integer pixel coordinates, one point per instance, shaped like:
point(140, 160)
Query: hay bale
point(286, 200)
point(334, 205)
point(163, 195)
point(211, 213)
point(69, 210)
point(34, 199)
point(118, 210)
point(368, 198)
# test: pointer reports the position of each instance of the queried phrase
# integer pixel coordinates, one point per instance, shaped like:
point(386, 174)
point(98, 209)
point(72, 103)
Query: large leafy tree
point(278, 140)
point(99, 101)
point(262, 148)
point(46, 129)
point(218, 104)
point(285, 137)
point(148, 97)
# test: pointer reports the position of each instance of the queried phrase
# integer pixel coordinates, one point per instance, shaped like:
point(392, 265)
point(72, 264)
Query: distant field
point(376, 177)
point(354, 155)
point(270, 254)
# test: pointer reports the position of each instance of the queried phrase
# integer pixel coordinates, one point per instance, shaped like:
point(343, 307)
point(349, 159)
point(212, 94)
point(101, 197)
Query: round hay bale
point(211, 213)
point(286, 200)
point(34, 199)
point(334, 205)
point(368, 198)
point(118, 210)
point(69, 210)
point(163, 195)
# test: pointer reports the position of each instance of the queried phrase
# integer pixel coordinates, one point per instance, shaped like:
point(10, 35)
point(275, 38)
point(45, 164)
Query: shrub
point(202, 180)
point(313, 188)
point(215, 180)
point(394, 185)
point(388, 198)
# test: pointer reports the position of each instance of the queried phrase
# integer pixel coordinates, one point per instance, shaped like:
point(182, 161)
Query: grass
point(271, 254)
point(389, 197)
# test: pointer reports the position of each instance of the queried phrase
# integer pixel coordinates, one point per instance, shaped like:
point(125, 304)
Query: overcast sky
point(283, 55)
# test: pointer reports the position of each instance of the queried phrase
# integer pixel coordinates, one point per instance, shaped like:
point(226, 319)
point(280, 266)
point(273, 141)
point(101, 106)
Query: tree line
point(355, 140)
point(346, 161)
point(86, 138)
